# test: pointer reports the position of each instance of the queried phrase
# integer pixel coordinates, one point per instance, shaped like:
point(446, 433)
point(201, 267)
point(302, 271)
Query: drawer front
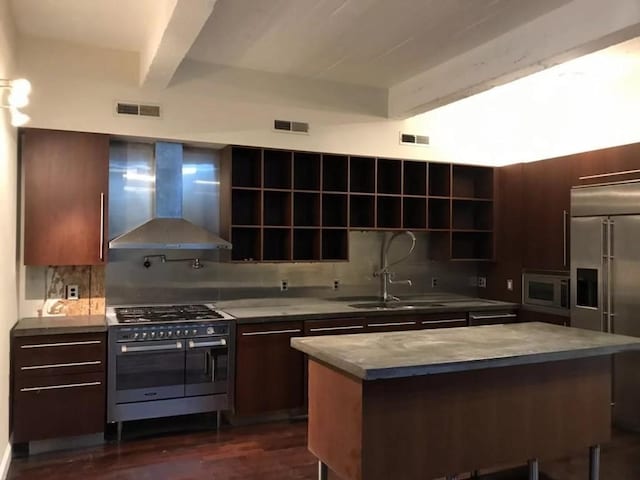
point(443, 320)
point(338, 326)
point(294, 329)
point(394, 324)
point(59, 354)
point(492, 318)
point(58, 406)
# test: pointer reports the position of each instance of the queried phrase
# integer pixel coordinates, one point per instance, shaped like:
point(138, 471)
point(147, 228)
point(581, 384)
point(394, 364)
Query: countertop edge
point(34, 326)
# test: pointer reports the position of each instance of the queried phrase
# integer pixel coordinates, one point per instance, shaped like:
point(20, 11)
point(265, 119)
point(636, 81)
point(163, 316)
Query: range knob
point(169, 333)
point(210, 330)
point(194, 331)
point(153, 334)
point(144, 334)
point(178, 332)
point(136, 335)
point(161, 334)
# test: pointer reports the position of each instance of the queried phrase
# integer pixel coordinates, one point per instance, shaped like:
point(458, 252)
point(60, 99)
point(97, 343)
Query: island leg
point(594, 462)
point(323, 471)
point(533, 469)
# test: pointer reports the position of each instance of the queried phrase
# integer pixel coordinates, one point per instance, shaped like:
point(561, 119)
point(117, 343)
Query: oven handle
point(150, 348)
point(215, 343)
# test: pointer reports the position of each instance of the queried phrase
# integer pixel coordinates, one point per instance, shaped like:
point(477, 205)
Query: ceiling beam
point(176, 27)
point(573, 30)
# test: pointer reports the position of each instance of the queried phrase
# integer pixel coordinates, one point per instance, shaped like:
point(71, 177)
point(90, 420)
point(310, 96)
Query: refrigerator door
point(625, 318)
point(588, 272)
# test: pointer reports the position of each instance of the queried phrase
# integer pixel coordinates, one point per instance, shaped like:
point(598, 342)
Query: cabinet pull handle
point(59, 365)
point(150, 348)
point(488, 317)
point(391, 324)
point(101, 225)
point(58, 387)
point(271, 332)
point(61, 344)
point(611, 174)
point(329, 329)
point(565, 216)
point(450, 320)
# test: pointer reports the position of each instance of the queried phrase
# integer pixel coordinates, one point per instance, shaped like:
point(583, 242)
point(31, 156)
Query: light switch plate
point(482, 282)
point(510, 285)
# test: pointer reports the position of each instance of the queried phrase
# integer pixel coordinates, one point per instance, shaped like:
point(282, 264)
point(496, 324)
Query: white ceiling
point(420, 53)
point(365, 42)
point(116, 24)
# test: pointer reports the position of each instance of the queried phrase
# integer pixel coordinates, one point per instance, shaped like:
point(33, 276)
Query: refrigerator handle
point(610, 276)
point(565, 216)
point(604, 294)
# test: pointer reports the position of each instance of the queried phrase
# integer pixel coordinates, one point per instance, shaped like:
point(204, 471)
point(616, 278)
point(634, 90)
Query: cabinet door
point(546, 203)
point(531, 316)
point(269, 373)
point(66, 181)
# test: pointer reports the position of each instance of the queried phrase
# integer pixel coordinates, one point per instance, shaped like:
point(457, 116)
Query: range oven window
point(150, 370)
point(544, 291)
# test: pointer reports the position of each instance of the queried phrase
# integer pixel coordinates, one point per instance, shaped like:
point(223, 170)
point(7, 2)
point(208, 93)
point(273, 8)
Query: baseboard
point(6, 462)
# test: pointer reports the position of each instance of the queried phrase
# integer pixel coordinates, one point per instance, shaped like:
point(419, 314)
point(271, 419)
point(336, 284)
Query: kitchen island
point(433, 403)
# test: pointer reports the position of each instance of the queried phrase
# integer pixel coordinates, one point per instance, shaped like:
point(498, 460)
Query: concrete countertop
point(372, 356)
point(30, 326)
point(258, 310)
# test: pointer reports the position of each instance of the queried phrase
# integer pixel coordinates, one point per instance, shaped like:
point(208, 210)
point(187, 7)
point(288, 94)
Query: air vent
point(416, 140)
point(138, 109)
point(291, 127)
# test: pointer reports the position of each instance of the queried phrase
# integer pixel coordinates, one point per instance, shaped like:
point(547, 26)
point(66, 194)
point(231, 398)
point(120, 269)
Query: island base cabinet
point(437, 425)
point(269, 373)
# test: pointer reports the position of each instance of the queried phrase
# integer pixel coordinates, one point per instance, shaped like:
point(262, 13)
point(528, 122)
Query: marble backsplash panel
point(46, 296)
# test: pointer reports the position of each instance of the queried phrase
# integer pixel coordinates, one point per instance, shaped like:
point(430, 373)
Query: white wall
point(8, 196)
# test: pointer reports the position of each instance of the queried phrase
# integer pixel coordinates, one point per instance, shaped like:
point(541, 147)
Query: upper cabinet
point(281, 205)
point(66, 182)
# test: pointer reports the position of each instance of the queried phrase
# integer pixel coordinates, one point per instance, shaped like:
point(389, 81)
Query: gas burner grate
point(165, 313)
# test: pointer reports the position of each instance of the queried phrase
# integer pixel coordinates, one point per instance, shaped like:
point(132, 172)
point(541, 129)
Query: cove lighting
point(18, 97)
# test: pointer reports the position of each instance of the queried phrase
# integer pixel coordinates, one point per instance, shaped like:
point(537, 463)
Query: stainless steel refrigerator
point(605, 280)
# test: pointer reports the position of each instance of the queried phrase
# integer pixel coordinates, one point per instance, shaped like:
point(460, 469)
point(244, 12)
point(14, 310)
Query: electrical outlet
point(434, 282)
point(284, 285)
point(510, 285)
point(336, 284)
point(72, 292)
point(482, 282)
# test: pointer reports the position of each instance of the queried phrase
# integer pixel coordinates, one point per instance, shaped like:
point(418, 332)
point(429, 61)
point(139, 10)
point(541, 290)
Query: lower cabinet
point(269, 373)
point(442, 320)
point(492, 317)
point(531, 316)
point(58, 386)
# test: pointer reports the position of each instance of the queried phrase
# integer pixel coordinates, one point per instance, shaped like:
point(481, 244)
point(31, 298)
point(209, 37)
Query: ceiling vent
point(415, 140)
point(291, 127)
point(137, 109)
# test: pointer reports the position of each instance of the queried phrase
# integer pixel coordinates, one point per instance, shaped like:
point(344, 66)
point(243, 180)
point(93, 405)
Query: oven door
point(149, 371)
point(207, 366)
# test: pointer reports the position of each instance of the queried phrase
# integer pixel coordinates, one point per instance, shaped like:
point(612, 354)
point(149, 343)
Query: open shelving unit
point(300, 206)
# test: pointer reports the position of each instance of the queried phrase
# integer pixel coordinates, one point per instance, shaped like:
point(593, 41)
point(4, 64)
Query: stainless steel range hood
point(168, 229)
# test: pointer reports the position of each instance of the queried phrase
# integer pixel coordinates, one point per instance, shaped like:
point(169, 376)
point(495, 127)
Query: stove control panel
point(169, 331)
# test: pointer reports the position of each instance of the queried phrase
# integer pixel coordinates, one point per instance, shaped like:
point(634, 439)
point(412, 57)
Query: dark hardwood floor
point(261, 452)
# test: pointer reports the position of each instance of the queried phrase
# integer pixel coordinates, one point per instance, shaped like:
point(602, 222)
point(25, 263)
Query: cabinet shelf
point(389, 176)
point(306, 244)
point(334, 210)
point(306, 209)
point(439, 179)
point(276, 244)
point(362, 175)
point(306, 171)
point(472, 215)
point(335, 244)
point(246, 207)
point(439, 214)
point(414, 178)
point(388, 212)
point(277, 169)
point(472, 182)
point(247, 167)
point(277, 208)
point(246, 244)
point(335, 172)
point(414, 213)
point(362, 211)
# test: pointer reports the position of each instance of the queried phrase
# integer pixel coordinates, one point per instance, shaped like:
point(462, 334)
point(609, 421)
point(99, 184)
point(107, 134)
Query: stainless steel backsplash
point(128, 281)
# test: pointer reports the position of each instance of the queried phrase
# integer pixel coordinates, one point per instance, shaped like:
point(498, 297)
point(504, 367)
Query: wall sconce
point(18, 97)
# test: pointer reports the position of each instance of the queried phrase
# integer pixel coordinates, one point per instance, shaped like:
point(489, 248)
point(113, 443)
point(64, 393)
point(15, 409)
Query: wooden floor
point(262, 452)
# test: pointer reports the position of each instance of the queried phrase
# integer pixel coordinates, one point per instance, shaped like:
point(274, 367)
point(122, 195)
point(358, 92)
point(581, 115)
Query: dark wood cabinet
point(269, 373)
point(532, 316)
point(58, 386)
point(442, 320)
point(492, 317)
point(66, 184)
point(546, 214)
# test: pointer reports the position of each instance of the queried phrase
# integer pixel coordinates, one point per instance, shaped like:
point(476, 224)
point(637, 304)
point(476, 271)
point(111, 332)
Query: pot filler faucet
point(384, 273)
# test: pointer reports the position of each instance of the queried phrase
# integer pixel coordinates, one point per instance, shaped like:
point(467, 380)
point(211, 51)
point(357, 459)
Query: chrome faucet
point(386, 276)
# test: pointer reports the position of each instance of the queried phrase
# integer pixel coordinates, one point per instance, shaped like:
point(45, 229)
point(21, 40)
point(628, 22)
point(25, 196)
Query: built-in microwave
point(545, 289)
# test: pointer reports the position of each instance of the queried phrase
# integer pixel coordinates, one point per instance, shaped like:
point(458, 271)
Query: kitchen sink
point(395, 305)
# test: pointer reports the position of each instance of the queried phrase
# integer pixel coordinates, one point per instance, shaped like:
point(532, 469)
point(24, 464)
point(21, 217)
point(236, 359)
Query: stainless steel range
point(167, 360)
